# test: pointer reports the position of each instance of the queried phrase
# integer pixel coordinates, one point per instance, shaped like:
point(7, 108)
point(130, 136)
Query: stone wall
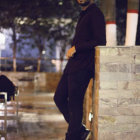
point(119, 93)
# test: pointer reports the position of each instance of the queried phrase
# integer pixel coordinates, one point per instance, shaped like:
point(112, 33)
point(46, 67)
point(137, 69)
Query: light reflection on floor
point(38, 118)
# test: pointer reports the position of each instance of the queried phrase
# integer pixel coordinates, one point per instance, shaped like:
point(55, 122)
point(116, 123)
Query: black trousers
point(69, 98)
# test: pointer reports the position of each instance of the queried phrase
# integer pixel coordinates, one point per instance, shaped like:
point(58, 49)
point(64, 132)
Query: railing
point(31, 64)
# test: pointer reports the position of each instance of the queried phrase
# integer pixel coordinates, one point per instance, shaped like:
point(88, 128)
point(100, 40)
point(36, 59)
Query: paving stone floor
point(38, 119)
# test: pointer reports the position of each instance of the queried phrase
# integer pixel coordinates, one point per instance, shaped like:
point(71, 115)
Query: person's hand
point(71, 52)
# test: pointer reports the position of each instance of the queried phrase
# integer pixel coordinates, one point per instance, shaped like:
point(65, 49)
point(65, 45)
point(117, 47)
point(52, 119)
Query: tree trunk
point(39, 62)
point(61, 55)
point(108, 8)
point(61, 64)
point(132, 22)
point(14, 47)
point(41, 44)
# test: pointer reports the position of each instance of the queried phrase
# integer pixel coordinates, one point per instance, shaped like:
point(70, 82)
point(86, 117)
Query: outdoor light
point(60, 3)
point(43, 52)
point(2, 45)
point(2, 41)
point(53, 61)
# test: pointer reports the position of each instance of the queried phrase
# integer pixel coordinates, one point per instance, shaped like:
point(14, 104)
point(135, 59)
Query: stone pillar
point(119, 93)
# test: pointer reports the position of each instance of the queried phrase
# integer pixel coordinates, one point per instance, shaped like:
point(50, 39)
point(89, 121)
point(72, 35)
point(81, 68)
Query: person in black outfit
point(69, 95)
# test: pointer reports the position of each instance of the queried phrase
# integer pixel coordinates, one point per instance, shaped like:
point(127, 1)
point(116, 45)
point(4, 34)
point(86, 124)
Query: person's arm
point(98, 30)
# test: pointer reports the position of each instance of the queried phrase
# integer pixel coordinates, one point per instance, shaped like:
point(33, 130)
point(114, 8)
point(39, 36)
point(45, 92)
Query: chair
point(5, 117)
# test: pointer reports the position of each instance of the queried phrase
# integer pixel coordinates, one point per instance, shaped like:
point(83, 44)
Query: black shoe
point(85, 134)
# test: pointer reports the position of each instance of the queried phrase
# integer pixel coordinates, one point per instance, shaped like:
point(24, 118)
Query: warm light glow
point(60, 3)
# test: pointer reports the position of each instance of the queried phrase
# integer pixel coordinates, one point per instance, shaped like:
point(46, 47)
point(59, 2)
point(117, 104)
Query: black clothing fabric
point(69, 98)
point(69, 95)
point(6, 85)
point(90, 32)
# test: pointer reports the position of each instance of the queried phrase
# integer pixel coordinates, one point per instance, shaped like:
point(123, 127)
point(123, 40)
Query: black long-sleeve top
point(90, 32)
